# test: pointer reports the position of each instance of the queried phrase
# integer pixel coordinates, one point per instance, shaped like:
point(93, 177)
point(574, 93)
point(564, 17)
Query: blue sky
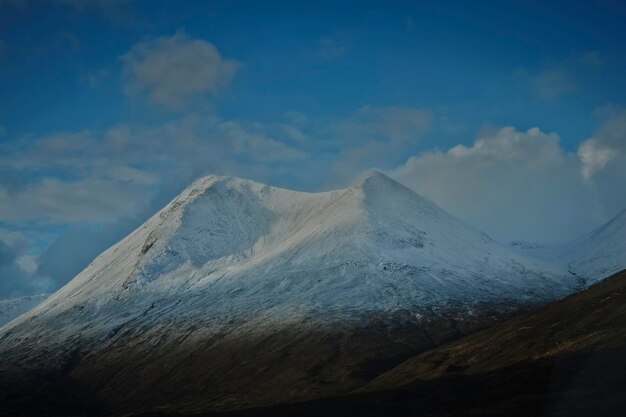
point(510, 116)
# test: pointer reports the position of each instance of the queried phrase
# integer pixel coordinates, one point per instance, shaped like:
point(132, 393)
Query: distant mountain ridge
point(15, 307)
point(591, 257)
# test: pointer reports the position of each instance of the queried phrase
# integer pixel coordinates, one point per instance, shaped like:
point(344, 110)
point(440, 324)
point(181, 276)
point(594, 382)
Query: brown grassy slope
point(234, 370)
point(583, 323)
point(563, 360)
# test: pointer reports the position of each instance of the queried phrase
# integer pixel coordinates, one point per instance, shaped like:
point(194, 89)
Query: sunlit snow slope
point(245, 247)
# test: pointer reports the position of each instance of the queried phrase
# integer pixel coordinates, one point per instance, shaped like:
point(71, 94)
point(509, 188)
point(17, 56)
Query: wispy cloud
point(552, 83)
point(372, 136)
point(17, 268)
point(91, 176)
point(333, 47)
point(561, 78)
point(171, 71)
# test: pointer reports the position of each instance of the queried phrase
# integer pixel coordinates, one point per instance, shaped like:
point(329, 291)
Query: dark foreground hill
point(565, 359)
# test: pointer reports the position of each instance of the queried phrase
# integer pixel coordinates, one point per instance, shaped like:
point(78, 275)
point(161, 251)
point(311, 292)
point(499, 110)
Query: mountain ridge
point(590, 257)
point(226, 227)
point(324, 290)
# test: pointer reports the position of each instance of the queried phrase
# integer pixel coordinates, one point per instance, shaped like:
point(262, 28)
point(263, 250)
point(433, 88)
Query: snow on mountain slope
point(15, 307)
point(599, 254)
point(592, 257)
point(376, 245)
point(241, 293)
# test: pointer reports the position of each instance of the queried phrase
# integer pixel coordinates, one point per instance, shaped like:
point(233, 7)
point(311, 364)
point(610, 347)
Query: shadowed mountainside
point(565, 359)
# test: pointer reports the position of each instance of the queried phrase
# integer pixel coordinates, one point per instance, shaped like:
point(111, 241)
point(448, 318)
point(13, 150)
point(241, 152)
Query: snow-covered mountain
point(319, 288)
point(15, 307)
point(600, 253)
point(247, 247)
point(592, 257)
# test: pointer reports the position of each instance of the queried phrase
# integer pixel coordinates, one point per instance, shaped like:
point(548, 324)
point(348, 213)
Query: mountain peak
point(377, 182)
point(373, 180)
point(206, 181)
point(376, 177)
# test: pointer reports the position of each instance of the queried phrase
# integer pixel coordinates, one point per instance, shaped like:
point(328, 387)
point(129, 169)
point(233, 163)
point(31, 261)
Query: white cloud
point(594, 157)
point(333, 47)
point(102, 176)
point(170, 71)
point(84, 200)
point(256, 145)
point(17, 269)
point(552, 83)
point(517, 185)
point(13, 239)
point(28, 263)
point(128, 174)
point(562, 77)
point(391, 123)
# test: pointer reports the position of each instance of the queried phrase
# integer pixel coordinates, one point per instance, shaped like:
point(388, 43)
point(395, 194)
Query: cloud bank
point(524, 185)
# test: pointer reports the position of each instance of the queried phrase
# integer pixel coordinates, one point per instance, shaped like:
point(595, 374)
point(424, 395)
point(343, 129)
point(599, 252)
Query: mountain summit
point(234, 279)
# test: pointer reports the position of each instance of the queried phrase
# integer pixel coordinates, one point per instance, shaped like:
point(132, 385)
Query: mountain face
point(377, 246)
point(237, 292)
point(599, 254)
point(591, 257)
point(15, 307)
